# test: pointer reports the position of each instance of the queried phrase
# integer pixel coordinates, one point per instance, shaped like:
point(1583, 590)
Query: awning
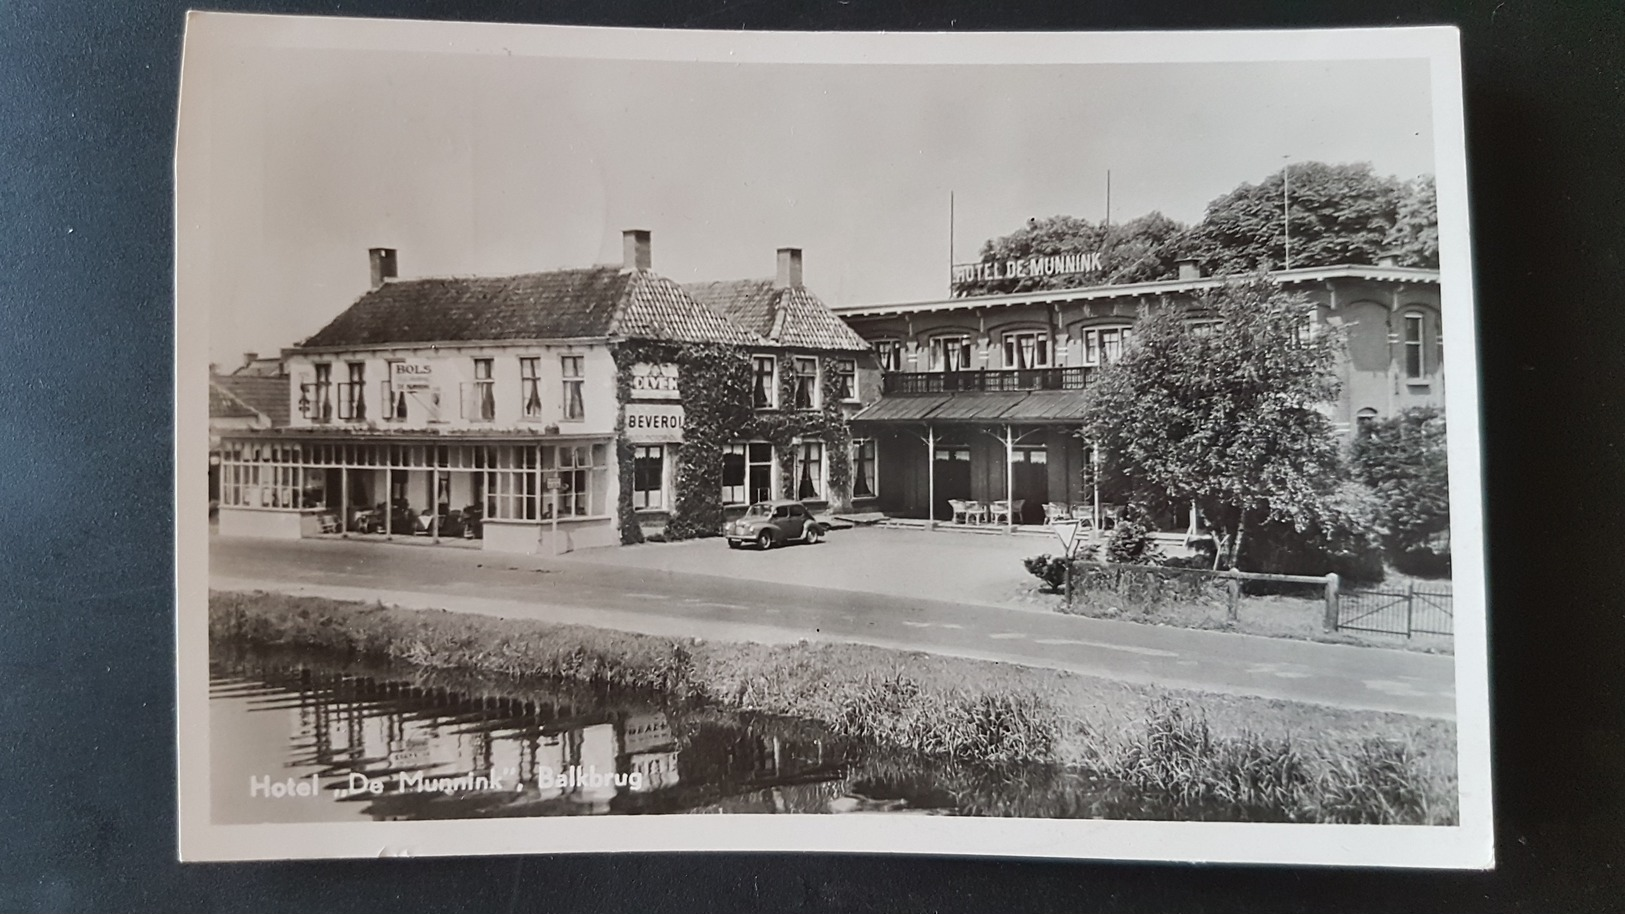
point(1032, 408)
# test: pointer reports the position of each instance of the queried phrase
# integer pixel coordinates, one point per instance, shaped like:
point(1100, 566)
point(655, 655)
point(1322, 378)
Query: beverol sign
point(654, 423)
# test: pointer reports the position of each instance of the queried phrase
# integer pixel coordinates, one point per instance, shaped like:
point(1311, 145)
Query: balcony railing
point(996, 380)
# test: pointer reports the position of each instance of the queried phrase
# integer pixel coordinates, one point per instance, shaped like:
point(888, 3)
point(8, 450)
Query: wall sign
point(654, 423)
point(412, 375)
point(655, 381)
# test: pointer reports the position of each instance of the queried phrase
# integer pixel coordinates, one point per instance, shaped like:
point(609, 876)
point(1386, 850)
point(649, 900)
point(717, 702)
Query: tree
point(1229, 416)
point(1139, 250)
point(1414, 239)
point(1338, 214)
point(1404, 460)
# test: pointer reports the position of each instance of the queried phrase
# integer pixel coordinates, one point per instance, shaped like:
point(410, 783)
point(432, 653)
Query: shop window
point(530, 387)
point(865, 482)
point(765, 390)
point(1104, 345)
point(575, 405)
point(1413, 346)
point(648, 476)
point(890, 353)
point(1026, 349)
point(747, 472)
point(582, 474)
point(950, 353)
point(511, 483)
point(805, 382)
point(810, 470)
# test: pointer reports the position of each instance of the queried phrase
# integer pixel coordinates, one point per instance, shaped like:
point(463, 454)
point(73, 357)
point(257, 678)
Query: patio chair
point(1015, 510)
point(327, 523)
point(999, 509)
point(961, 510)
point(1055, 513)
point(978, 512)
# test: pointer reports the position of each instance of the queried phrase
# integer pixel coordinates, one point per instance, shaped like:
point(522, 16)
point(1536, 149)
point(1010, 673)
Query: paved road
point(708, 605)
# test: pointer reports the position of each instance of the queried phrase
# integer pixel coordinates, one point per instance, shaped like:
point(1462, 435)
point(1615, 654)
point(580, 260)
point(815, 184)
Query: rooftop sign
point(1025, 268)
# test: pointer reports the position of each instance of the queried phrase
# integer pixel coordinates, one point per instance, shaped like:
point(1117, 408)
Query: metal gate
point(1426, 610)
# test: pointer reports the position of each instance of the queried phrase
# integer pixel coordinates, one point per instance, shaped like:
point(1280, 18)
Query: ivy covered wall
point(716, 383)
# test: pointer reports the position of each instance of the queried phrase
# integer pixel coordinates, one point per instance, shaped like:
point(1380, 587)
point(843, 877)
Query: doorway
point(952, 478)
point(1029, 482)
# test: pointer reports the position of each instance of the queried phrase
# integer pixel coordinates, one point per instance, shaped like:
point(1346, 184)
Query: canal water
point(300, 738)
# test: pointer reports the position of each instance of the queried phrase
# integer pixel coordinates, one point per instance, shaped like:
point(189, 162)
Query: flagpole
point(950, 245)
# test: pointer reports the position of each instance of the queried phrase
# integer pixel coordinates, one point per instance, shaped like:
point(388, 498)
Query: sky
point(296, 160)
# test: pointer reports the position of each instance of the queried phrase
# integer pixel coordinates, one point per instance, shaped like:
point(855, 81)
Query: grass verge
point(1227, 756)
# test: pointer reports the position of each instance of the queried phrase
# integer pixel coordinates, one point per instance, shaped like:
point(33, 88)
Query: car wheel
point(813, 535)
point(764, 540)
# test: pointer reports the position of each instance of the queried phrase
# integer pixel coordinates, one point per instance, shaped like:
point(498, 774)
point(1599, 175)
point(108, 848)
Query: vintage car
point(770, 523)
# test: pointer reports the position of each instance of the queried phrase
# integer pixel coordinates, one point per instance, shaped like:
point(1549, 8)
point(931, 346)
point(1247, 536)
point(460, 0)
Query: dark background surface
point(87, 119)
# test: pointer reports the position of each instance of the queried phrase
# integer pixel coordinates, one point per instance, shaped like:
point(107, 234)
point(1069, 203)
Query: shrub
point(1339, 535)
point(1130, 542)
point(1404, 461)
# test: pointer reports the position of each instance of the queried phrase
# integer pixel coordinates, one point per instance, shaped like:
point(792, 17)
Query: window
point(510, 482)
point(582, 479)
point(846, 379)
point(747, 472)
point(890, 353)
point(1305, 331)
point(1105, 345)
point(864, 482)
point(810, 470)
point(485, 392)
point(806, 382)
point(649, 476)
point(1363, 420)
point(353, 393)
point(394, 400)
point(316, 401)
point(530, 387)
point(950, 353)
point(575, 407)
point(1202, 329)
point(1029, 349)
point(765, 391)
point(1413, 346)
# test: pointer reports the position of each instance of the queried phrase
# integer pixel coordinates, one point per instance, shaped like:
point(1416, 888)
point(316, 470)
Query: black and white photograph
point(1046, 445)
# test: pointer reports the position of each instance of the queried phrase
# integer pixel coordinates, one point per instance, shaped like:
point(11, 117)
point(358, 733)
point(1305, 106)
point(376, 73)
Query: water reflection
point(391, 743)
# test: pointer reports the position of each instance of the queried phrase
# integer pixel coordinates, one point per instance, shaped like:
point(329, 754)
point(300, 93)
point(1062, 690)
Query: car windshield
point(759, 511)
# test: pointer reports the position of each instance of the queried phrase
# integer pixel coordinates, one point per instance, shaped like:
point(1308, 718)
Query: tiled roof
point(563, 304)
point(793, 317)
point(253, 395)
point(658, 309)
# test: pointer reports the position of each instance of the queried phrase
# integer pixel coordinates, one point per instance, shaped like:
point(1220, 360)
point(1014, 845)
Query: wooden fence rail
point(1406, 611)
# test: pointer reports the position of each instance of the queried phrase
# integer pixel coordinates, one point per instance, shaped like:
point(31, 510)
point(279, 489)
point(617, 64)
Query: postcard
point(595, 440)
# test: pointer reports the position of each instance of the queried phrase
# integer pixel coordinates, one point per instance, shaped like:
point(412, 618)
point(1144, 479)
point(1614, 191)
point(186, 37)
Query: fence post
point(1331, 601)
point(1410, 606)
point(1235, 597)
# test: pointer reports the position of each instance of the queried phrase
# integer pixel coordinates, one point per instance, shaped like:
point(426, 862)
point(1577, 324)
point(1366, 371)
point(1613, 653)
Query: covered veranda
point(990, 460)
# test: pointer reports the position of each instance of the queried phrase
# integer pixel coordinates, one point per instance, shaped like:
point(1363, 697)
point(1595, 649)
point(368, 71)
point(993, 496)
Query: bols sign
point(413, 375)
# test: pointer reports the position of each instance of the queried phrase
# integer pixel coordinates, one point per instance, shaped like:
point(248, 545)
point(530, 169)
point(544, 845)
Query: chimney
point(1189, 268)
point(248, 359)
point(789, 275)
point(383, 265)
point(635, 250)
